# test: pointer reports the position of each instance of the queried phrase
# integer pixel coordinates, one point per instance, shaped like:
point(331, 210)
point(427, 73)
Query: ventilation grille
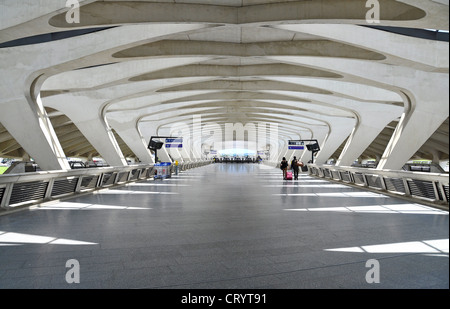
point(335, 175)
point(134, 174)
point(446, 191)
point(326, 173)
point(122, 177)
point(89, 182)
point(144, 173)
point(421, 188)
point(395, 185)
point(108, 179)
point(2, 192)
point(359, 178)
point(345, 176)
point(150, 172)
point(28, 191)
point(374, 181)
point(64, 186)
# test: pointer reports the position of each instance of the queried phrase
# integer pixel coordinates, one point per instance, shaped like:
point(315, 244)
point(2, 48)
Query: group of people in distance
point(295, 166)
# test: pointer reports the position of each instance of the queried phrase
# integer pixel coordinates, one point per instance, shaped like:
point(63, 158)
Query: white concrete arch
point(313, 68)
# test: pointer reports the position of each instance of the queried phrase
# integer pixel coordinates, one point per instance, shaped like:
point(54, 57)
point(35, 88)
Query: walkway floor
point(229, 226)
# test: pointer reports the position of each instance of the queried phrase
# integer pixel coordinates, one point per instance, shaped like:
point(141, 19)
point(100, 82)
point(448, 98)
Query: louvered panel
point(374, 181)
point(134, 174)
point(421, 188)
point(359, 178)
point(142, 173)
point(395, 184)
point(335, 175)
point(150, 172)
point(122, 177)
point(345, 175)
point(108, 179)
point(28, 191)
point(89, 182)
point(2, 193)
point(64, 186)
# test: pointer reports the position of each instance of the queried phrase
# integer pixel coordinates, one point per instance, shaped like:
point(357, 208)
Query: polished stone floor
point(227, 226)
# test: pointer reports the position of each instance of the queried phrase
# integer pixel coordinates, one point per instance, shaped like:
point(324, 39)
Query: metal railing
point(31, 188)
point(431, 187)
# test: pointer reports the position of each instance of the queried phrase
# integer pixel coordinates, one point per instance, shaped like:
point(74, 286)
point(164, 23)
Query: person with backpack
point(283, 166)
point(295, 166)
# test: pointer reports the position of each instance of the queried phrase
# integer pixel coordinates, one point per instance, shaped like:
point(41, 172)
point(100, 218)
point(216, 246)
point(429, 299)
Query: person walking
point(295, 167)
point(283, 166)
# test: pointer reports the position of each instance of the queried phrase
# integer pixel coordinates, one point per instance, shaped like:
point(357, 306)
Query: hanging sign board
point(296, 145)
point(174, 143)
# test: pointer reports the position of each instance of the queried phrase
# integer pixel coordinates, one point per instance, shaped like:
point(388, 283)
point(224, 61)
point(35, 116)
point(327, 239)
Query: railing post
point(364, 177)
point(435, 189)
point(444, 196)
point(78, 185)
point(406, 185)
point(383, 183)
point(129, 175)
point(352, 177)
point(6, 196)
point(48, 191)
point(339, 175)
point(100, 180)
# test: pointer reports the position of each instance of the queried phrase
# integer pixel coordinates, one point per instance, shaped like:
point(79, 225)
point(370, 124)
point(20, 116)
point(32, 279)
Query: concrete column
point(195, 153)
point(30, 126)
point(101, 137)
point(149, 129)
point(426, 102)
point(132, 136)
point(429, 109)
point(174, 153)
point(83, 111)
point(163, 155)
point(319, 133)
point(185, 152)
point(283, 153)
point(340, 130)
point(372, 120)
point(289, 154)
point(28, 65)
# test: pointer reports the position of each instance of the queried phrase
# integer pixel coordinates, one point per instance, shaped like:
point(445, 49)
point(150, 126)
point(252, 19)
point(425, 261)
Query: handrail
point(431, 187)
point(18, 190)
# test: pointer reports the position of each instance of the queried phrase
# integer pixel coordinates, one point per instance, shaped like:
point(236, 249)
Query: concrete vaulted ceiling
point(131, 69)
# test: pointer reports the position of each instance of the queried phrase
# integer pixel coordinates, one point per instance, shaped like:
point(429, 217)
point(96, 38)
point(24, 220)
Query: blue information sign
point(174, 143)
point(296, 145)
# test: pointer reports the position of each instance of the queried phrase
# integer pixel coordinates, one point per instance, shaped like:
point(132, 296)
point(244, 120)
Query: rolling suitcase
point(288, 175)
